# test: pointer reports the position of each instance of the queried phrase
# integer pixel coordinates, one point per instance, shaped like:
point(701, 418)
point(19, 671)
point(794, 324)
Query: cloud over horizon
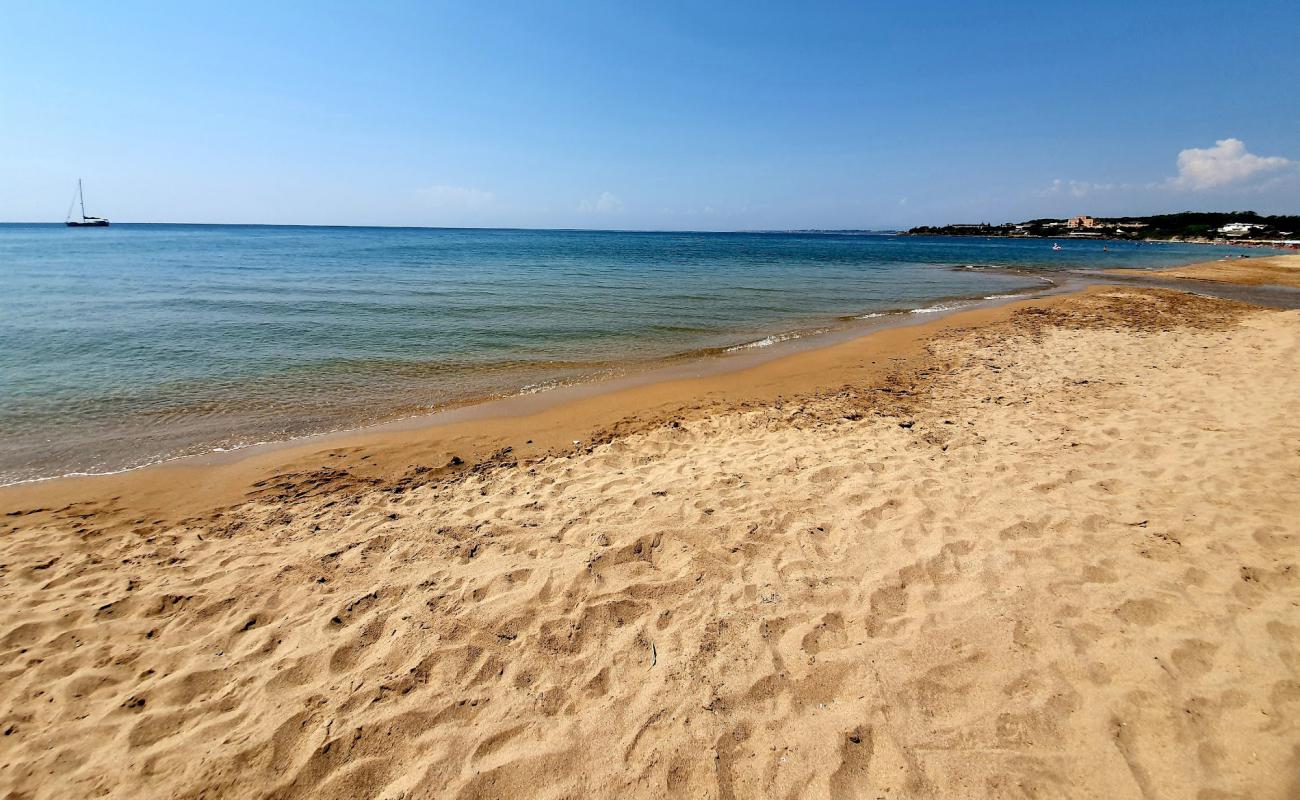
point(607, 203)
point(1075, 188)
point(1228, 162)
point(1226, 165)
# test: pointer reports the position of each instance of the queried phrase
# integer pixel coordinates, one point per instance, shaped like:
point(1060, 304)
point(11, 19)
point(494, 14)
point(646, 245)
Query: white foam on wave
point(544, 386)
point(872, 315)
point(198, 454)
point(150, 463)
point(935, 309)
point(766, 341)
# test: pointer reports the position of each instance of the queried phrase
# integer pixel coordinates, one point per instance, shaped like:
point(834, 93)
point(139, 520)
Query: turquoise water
point(136, 343)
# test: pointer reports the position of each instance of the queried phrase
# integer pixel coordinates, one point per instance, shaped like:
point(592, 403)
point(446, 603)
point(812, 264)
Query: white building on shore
point(1239, 228)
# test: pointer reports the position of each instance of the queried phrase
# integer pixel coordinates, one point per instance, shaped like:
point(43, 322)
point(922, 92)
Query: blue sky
point(659, 115)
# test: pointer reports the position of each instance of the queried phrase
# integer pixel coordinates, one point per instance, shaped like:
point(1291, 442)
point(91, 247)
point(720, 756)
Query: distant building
point(1238, 228)
point(1083, 221)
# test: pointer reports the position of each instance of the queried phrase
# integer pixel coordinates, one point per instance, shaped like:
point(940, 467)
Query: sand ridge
point(1055, 556)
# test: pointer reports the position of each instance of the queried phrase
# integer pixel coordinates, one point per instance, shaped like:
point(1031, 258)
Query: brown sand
point(1041, 551)
point(1269, 271)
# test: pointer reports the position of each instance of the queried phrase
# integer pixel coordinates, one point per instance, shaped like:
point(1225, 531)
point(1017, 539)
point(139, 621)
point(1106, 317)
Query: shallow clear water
point(130, 344)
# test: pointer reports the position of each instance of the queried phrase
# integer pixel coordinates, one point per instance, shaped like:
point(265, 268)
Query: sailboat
point(85, 221)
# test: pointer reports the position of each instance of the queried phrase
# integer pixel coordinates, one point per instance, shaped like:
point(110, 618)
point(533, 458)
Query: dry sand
point(1045, 551)
point(1268, 271)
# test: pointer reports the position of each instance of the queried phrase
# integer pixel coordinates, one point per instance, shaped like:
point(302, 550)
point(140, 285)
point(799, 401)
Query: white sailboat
point(85, 221)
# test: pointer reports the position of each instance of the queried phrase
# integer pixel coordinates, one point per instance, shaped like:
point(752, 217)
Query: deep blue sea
point(136, 343)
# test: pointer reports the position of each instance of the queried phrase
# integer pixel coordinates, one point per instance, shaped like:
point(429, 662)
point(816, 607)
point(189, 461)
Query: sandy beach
point(1042, 550)
point(1281, 270)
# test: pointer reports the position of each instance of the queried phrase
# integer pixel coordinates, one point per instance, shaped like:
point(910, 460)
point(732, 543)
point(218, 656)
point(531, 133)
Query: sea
point(139, 343)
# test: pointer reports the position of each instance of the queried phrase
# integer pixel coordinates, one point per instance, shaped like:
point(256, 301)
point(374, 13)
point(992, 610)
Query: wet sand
point(1046, 549)
point(1267, 271)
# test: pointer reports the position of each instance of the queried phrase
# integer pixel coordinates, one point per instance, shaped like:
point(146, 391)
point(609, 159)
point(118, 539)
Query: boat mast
point(83, 199)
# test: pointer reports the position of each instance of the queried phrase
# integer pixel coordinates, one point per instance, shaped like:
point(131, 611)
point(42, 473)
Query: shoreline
point(720, 360)
point(1271, 244)
point(240, 399)
point(1272, 271)
point(716, 361)
point(532, 426)
point(503, 419)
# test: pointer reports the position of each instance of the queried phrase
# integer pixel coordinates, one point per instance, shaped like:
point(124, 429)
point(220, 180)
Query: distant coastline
point(1236, 227)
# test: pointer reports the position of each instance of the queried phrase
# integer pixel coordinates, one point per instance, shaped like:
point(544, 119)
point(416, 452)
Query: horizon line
point(484, 227)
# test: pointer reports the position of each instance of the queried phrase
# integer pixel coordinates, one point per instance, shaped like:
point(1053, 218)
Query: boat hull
point(90, 223)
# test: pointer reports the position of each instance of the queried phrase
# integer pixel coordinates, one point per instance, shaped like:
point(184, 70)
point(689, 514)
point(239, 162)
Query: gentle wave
point(766, 341)
point(935, 309)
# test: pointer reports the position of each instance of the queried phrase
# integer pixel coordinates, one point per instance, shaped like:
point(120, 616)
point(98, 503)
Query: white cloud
point(607, 203)
point(1228, 162)
point(456, 198)
point(1076, 188)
